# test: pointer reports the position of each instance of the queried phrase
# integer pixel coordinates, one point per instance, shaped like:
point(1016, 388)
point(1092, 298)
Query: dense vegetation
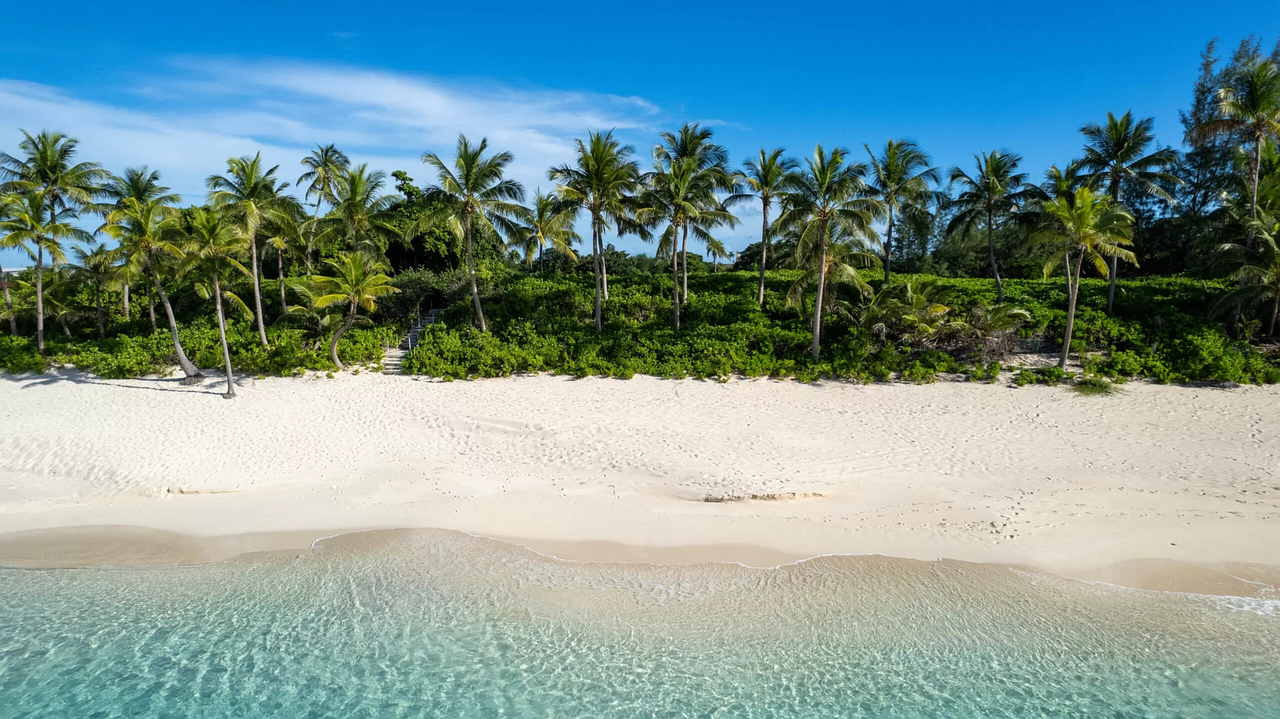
point(866, 268)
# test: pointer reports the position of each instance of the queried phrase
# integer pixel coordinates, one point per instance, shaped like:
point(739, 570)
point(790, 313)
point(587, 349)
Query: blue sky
point(182, 86)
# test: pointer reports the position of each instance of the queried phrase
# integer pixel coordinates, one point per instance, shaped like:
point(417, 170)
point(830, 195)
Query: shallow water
point(407, 624)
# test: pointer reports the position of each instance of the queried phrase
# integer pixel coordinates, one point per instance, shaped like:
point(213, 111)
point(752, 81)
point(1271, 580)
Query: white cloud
point(187, 124)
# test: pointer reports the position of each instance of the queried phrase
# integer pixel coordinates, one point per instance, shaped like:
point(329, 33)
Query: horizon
point(185, 101)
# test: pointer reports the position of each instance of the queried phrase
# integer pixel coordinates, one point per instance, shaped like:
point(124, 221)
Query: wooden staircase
point(392, 361)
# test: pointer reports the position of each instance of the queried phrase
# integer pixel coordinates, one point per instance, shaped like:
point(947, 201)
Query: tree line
point(831, 216)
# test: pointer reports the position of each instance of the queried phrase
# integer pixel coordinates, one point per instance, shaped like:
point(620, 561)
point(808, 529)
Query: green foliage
point(1051, 376)
point(1093, 386)
point(919, 374)
point(988, 373)
point(289, 353)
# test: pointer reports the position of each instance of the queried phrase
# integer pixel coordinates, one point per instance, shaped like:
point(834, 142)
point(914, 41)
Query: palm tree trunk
point(888, 250)
point(596, 260)
point(97, 303)
point(675, 277)
point(222, 334)
point(684, 265)
point(1275, 310)
point(257, 287)
point(604, 269)
point(151, 306)
point(284, 304)
point(66, 330)
point(8, 303)
point(127, 317)
point(311, 241)
point(333, 343)
point(1111, 269)
point(1255, 170)
point(193, 375)
point(991, 255)
point(471, 273)
point(1072, 296)
point(39, 295)
point(764, 248)
point(817, 306)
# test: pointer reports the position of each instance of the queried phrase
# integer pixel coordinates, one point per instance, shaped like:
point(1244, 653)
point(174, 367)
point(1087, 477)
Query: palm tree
point(286, 229)
point(693, 143)
point(603, 182)
point(899, 178)
point(475, 191)
point(148, 233)
point(683, 196)
point(1252, 109)
point(7, 202)
point(213, 244)
point(98, 263)
point(826, 265)
point(548, 221)
point(48, 168)
point(36, 225)
point(143, 185)
point(1092, 227)
point(1115, 155)
point(766, 178)
point(360, 214)
point(989, 196)
point(355, 282)
point(828, 198)
point(1258, 276)
point(58, 298)
point(325, 167)
point(247, 192)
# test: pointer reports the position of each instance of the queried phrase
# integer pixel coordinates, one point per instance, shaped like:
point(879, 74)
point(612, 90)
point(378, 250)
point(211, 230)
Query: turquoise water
point(438, 624)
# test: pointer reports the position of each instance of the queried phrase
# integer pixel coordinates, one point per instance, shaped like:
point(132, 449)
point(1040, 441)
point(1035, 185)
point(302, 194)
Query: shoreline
point(123, 547)
point(595, 468)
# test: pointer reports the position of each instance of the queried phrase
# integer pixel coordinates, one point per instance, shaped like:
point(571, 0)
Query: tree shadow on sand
point(215, 383)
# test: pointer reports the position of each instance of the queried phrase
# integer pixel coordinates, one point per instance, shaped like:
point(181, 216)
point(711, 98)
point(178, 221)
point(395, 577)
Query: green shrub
point(1093, 386)
point(919, 374)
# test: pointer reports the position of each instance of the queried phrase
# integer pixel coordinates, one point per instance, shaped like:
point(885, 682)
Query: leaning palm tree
point(765, 178)
point(246, 193)
point(900, 179)
point(356, 282)
point(1116, 156)
point(474, 191)
point(1089, 226)
point(603, 183)
point(143, 185)
point(213, 246)
point(325, 167)
point(149, 234)
point(35, 224)
point(99, 265)
point(827, 201)
point(987, 197)
point(547, 221)
point(1252, 108)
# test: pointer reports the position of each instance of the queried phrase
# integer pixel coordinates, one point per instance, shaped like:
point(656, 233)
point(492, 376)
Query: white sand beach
point(624, 470)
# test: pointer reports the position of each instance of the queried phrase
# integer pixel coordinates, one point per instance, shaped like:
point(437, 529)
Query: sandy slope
point(1033, 475)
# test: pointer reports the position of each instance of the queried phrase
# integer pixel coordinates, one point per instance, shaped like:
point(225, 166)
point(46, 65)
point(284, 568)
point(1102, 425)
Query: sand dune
point(976, 472)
